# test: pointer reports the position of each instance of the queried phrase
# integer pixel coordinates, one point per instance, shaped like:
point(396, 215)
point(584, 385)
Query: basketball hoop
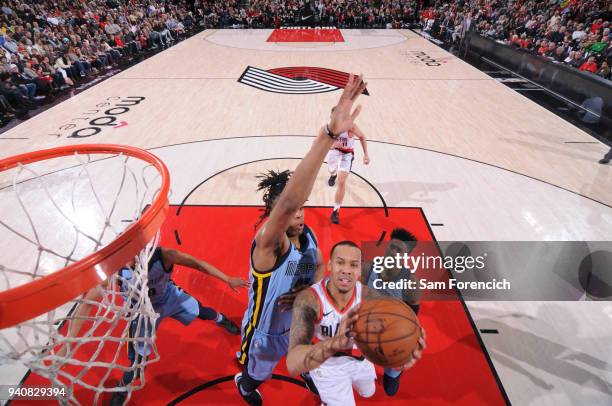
point(72, 217)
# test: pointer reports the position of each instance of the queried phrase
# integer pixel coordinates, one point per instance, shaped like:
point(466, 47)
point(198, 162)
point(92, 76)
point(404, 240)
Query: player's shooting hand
point(416, 354)
point(344, 338)
point(286, 301)
point(366, 160)
point(342, 119)
point(235, 283)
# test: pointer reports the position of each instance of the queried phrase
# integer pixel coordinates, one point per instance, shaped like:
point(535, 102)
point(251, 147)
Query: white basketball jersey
point(329, 318)
point(345, 142)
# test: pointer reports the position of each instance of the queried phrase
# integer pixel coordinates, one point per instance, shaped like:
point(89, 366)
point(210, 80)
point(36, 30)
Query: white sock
point(337, 206)
point(219, 318)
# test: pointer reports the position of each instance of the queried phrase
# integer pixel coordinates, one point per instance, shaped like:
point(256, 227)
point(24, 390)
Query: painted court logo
point(106, 114)
point(420, 57)
point(295, 80)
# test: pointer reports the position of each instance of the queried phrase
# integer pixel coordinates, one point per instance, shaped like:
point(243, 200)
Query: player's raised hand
point(343, 116)
point(417, 353)
point(235, 283)
point(343, 340)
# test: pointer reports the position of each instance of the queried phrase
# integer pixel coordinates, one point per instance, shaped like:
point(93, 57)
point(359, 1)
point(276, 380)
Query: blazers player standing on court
point(339, 162)
point(327, 311)
point(284, 254)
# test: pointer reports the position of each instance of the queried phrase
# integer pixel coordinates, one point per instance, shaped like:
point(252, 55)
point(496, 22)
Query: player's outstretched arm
point(272, 234)
point(303, 356)
point(82, 313)
point(364, 143)
point(174, 257)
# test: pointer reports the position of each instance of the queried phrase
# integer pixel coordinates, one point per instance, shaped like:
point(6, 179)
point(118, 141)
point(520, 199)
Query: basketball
point(387, 332)
point(266, 197)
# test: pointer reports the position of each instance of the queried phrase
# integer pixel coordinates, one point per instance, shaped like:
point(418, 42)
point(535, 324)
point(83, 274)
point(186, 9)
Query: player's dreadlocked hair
point(272, 183)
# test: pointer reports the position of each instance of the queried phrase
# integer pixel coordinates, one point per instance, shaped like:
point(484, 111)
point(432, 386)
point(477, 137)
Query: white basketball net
point(53, 213)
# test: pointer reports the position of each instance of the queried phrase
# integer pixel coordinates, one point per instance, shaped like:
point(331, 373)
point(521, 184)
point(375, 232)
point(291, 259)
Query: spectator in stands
point(8, 112)
point(111, 28)
point(607, 54)
point(524, 42)
point(31, 73)
point(79, 38)
point(82, 66)
point(48, 45)
point(59, 80)
point(69, 72)
point(590, 65)
point(560, 54)
point(551, 51)
point(12, 94)
point(554, 20)
point(598, 46)
point(578, 60)
point(164, 32)
point(596, 26)
point(604, 70)
point(543, 47)
point(536, 26)
point(96, 56)
point(9, 44)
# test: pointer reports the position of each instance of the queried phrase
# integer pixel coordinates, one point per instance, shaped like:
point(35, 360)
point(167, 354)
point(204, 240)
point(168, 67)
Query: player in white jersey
point(339, 161)
point(328, 311)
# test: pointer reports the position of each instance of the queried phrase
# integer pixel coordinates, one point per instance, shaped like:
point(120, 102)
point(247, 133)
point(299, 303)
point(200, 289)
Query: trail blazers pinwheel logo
point(295, 80)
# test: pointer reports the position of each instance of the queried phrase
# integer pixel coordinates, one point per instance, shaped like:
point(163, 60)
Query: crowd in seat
point(48, 48)
point(291, 13)
point(574, 32)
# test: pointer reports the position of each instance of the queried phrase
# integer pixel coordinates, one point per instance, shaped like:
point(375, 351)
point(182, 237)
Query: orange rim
point(27, 301)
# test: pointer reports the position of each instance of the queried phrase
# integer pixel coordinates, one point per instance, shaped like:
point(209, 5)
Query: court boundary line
point(369, 79)
point(369, 140)
point(183, 202)
point(228, 378)
point(515, 91)
point(466, 310)
point(399, 145)
point(460, 298)
point(404, 39)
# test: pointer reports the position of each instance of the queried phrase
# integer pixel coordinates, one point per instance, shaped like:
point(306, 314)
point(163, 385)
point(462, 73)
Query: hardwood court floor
point(483, 163)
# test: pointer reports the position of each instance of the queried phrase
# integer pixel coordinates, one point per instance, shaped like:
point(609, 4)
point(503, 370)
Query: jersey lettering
point(329, 331)
point(329, 324)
